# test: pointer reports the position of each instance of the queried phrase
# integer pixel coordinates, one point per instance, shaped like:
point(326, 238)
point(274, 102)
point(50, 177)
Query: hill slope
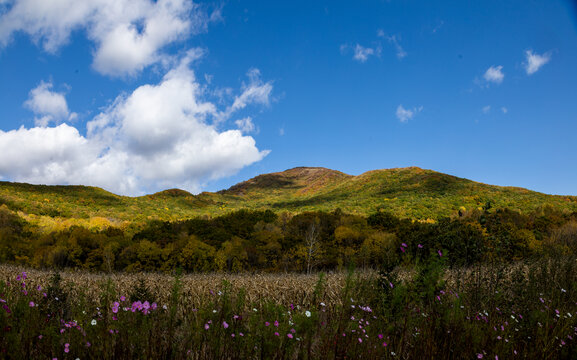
point(407, 192)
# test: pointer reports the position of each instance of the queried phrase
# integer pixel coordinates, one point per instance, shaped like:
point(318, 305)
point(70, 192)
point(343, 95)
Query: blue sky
point(137, 96)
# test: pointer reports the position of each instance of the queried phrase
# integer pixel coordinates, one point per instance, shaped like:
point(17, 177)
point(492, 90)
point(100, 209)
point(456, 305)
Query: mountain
point(299, 181)
point(408, 192)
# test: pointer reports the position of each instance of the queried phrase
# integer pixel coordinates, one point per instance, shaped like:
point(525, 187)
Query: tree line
point(248, 240)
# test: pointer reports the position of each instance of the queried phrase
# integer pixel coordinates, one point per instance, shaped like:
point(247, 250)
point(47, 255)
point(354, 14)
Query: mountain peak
point(301, 180)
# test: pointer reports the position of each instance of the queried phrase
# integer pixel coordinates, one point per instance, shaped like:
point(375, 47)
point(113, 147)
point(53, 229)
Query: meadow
point(524, 310)
point(484, 283)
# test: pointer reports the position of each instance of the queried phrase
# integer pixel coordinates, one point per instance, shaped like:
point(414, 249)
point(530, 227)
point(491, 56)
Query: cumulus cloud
point(535, 61)
point(486, 109)
point(494, 74)
point(405, 115)
point(129, 34)
point(45, 155)
point(47, 105)
point(158, 136)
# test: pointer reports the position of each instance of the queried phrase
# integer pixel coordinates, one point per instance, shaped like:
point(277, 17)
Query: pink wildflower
point(31, 304)
point(225, 325)
point(289, 335)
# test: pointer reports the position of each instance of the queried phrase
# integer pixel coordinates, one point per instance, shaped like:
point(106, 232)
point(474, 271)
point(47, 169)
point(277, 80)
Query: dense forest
point(251, 240)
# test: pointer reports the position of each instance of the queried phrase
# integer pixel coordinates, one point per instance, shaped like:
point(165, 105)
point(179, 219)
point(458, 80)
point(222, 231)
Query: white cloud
point(405, 115)
point(486, 109)
point(535, 61)
point(361, 53)
point(255, 92)
point(156, 137)
point(393, 39)
point(47, 105)
point(504, 110)
point(494, 74)
point(129, 34)
point(45, 155)
point(245, 125)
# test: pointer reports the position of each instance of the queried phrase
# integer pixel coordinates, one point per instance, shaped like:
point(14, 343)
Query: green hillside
point(407, 192)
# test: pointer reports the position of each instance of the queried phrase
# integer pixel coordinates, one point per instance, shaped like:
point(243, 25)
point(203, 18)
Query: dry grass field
point(198, 289)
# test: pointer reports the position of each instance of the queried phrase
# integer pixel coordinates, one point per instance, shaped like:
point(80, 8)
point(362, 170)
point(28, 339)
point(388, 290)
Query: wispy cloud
point(361, 53)
point(405, 115)
point(486, 109)
point(245, 125)
point(535, 61)
point(438, 26)
point(504, 110)
point(395, 41)
point(494, 74)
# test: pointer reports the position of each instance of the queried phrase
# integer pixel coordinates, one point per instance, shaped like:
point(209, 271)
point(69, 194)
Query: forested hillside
point(407, 192)
point(297, 220)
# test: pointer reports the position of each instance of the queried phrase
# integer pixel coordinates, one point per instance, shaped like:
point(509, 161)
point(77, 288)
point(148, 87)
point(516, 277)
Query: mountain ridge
point(409, 192)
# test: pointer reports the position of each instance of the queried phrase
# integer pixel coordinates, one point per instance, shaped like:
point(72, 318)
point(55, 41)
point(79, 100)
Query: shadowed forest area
point(250, 240)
